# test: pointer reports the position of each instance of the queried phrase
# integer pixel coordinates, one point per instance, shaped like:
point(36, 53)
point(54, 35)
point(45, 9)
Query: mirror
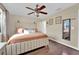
point(66, 29)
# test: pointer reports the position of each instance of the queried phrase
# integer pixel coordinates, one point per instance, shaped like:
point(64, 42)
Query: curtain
point(4, 38)
point(0, 25)
point(3, 25)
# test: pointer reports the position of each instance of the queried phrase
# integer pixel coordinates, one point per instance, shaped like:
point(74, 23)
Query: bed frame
point(22, 47)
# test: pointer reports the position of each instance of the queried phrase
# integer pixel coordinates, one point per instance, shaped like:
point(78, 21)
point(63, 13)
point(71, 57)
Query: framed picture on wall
point(58, 20)
point(50, 21)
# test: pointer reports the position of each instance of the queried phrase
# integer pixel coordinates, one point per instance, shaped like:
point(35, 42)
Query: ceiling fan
point(37, 10)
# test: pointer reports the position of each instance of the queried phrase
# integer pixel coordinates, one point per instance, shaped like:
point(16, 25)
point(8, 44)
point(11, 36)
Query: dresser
point(2, 48)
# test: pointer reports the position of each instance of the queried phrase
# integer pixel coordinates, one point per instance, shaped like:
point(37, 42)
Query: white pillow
point(26, 31)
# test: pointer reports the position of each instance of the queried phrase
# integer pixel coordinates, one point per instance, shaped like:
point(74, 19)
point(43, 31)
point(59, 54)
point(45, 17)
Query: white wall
point(12, 23)
point(55, 30)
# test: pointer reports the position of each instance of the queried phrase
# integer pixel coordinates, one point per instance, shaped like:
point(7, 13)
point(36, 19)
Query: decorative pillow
point(20, 30)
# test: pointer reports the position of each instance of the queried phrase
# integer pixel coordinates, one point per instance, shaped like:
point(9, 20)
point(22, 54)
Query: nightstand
point(2, 48)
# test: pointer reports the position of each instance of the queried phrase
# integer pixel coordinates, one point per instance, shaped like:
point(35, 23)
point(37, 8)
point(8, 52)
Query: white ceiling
point(51, 8)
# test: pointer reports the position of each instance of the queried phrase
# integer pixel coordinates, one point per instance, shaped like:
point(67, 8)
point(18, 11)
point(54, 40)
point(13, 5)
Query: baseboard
point(66, 45)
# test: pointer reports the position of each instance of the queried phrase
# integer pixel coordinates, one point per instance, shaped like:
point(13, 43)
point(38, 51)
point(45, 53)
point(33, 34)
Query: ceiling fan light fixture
point(38, 10)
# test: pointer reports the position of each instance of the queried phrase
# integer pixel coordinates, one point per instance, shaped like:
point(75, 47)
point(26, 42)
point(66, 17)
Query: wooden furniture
point(2, 48)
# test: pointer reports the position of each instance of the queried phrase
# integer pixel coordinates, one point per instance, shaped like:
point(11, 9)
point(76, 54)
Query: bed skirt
point(19, 48)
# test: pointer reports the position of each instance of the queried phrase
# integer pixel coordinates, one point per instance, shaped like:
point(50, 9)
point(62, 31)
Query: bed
point(21, 43)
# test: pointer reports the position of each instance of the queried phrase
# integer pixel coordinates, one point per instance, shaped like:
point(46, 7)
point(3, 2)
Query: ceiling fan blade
point(30, 8)
point(42, 7)
point(43, 12)
point(31, 13)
